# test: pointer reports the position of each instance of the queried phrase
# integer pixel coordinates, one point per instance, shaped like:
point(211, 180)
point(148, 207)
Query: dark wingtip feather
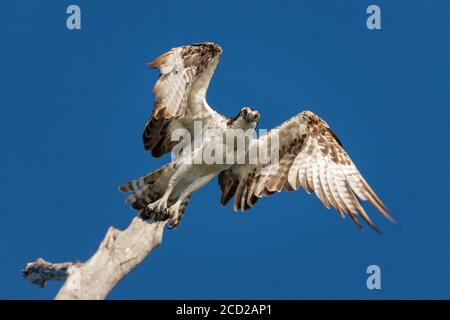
point(124, 188)
point(355, 220)
point(374, 228)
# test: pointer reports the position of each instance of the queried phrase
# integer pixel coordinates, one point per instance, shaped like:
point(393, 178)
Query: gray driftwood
point(118, 254)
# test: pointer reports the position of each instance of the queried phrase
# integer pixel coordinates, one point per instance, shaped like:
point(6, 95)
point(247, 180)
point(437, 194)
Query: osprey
point(309, 154)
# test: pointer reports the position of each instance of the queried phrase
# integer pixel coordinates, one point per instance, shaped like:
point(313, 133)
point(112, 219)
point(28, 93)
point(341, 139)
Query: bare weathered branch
point(41, 271)
point(118, 254)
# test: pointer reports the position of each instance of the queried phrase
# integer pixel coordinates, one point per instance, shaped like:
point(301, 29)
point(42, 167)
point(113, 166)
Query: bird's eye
point(244, 112)
point(256, 117)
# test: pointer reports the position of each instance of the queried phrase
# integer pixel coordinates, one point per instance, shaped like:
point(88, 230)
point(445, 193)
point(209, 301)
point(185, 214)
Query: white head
point(247, 118)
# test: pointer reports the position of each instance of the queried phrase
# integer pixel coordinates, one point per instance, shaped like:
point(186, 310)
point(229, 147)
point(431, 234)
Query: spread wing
point(310, 156)
point(185, 73)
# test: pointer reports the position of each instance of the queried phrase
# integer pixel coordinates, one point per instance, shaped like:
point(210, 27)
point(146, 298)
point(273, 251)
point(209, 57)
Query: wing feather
point(313, 158)
point(334, 191)
point(324, 184)
point(185, 73)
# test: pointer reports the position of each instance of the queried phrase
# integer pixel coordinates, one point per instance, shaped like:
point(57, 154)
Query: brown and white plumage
point(185, 73)
point(310, 154)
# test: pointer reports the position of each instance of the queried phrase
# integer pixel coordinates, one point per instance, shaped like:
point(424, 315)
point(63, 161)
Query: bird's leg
point(174, 210)
point(161, 204)
point(174, 213)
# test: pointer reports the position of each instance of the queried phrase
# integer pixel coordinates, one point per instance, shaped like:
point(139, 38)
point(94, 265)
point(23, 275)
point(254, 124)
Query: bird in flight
point(308, 154)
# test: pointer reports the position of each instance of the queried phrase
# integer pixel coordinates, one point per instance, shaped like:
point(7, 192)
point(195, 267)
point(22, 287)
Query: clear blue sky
point(73, 105)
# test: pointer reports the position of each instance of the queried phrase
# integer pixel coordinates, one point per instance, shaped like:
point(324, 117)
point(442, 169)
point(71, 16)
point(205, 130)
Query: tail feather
point(142, 193)
point(149, 188)
point(148, 179)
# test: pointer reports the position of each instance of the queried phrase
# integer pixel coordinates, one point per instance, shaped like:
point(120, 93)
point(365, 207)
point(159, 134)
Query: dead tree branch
point(118, 254)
